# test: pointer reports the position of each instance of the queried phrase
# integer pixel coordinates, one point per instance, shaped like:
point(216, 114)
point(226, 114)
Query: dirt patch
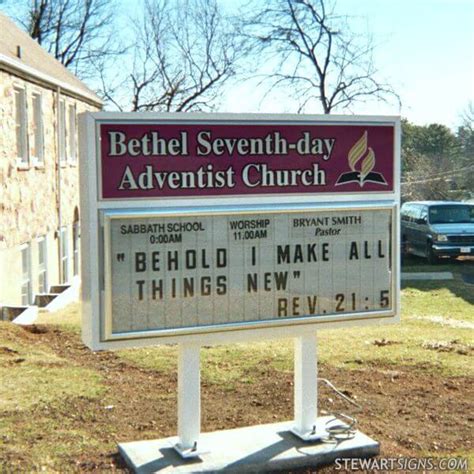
point(409, 411)
point(384, 342)
point(36, 329)
point(449, 346)
point(7, 350)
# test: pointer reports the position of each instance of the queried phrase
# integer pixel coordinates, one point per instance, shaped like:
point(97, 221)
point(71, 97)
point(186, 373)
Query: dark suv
point(435, 229)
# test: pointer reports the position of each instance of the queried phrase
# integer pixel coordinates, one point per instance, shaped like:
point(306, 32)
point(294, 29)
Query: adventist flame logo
point(364, 174)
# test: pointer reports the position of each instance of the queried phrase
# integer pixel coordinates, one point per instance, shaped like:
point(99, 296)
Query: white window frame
point(38, 129)
point(42, 266)
point(76, 235)
point(21, 127)
point(64, 253)
point(71, 134)
point(26, 284)
point(62, 132)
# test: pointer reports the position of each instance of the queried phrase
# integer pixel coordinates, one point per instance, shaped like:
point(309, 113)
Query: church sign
point(154, 160)
point(209, 228)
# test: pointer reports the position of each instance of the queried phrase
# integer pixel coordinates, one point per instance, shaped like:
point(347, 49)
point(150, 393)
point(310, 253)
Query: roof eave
point(16, 67)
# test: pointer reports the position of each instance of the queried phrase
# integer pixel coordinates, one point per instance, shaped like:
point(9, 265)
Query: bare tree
point(428, 178)
point(316, 56)
point(75, 32)
point(467, 115)
point(465, 137)
point(184, 52)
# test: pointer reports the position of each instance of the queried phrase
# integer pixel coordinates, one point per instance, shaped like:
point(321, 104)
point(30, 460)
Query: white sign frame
point(174, 335)
point(92, 230)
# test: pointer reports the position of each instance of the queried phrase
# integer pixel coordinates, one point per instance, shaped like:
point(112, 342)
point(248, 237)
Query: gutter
point(27, 72)
point(59, 131)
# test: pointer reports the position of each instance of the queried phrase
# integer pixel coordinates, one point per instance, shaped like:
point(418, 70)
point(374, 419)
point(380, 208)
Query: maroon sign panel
point(151, 160)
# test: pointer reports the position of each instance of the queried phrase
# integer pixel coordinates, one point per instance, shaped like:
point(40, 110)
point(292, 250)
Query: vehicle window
point(405, 212)
point(415, 213)
point(458, 214)
point(423, 215)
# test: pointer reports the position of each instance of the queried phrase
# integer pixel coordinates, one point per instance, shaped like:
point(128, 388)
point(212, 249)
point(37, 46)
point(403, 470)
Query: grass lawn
point(404, 343)
point(64, 408)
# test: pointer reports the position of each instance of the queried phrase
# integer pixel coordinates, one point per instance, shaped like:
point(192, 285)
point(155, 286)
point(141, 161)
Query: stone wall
point(30, 206)
point(29, 196)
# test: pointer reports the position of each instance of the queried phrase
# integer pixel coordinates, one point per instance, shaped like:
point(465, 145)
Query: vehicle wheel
point(430, 255)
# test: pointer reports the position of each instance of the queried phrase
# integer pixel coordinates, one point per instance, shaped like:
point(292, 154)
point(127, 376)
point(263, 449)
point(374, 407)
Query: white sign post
point(209, 229)
point(306, 389)
point(189, 401)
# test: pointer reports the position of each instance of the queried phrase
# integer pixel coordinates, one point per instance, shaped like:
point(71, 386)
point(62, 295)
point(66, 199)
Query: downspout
point(58, 175)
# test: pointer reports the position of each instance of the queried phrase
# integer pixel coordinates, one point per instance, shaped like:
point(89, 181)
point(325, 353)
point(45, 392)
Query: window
point(72, 155)
point(64, 255)
point(21, 127)
point(423, 215)
point(62, 131)
point(452, 214)
point(38, 147)
point(405, 212)
point(26, 293)
point(415, 213)
point(75, 245)
point(42, 266)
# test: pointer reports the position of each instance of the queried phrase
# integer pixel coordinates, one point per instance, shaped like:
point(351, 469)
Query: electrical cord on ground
point(342, 431)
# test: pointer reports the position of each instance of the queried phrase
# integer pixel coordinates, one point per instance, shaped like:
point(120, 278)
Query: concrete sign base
point(260, 448)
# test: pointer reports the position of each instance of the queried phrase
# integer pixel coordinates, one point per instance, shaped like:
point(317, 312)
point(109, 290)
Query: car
point(434, 229)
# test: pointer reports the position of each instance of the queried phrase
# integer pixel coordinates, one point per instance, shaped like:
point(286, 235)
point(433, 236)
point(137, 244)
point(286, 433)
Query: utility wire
point(341, 431)
point(439, 176)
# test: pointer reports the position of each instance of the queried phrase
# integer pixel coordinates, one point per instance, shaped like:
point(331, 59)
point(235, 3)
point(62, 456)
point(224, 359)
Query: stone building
point(39, 189)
